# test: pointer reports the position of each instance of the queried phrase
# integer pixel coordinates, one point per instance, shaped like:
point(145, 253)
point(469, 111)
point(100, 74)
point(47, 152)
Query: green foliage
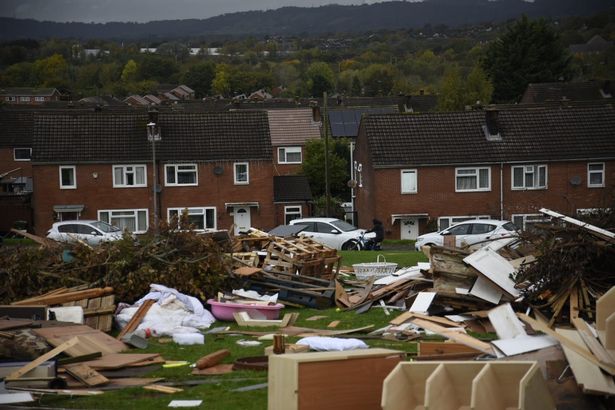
point(158, 68)
point(221, 83)
point(130, 71)
point(314, 167)
point(320, 79)
point(457, 91)
point(199, 77)
point(528, 52)
point(52, 71)
point(378, 79)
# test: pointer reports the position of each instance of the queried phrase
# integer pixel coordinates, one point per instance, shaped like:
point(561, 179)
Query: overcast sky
point(145, 10)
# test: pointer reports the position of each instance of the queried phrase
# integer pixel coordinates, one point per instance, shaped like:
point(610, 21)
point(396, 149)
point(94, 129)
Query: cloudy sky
point(144, 10)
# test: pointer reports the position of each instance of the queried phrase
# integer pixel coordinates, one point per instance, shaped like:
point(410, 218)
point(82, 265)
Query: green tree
point(221, 84)
point(528, 52)
point(52, 71)
point(314, 167)
point(458, 91)
point(199, 78)
point(378, 79)
point(19, 75)
point(130, 71)
point(320, 78)
point(158, 68)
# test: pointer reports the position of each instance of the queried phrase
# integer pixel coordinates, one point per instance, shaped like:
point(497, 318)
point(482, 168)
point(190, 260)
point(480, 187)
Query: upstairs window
point(289, 155)
point(242, 173)
point(128, 176)
point(68, 177)
point(472, 179)
point(22, 154)
point(529, 177)
point(408, 181)
point(181, 175)
point(595, 175)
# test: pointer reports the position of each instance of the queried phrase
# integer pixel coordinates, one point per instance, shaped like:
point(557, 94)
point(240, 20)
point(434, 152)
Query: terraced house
point(422, 172)
point(128, 168)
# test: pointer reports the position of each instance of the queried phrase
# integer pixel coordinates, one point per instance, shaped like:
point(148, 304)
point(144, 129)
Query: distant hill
point(318, 20)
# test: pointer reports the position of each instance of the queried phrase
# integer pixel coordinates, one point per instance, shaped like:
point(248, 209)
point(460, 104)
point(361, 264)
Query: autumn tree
point(528, 52)
point(320, 79)
point(458, 90)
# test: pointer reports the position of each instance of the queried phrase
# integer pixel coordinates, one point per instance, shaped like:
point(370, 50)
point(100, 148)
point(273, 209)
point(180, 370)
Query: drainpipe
point(501, 190)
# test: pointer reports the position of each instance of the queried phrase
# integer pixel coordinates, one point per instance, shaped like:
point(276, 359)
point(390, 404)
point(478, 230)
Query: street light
point(154, 135)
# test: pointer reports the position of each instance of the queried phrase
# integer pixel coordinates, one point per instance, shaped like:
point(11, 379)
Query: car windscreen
point(105, 227)
point(343, 226)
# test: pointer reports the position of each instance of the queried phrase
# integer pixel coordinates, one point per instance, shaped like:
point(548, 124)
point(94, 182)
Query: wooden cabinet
point(330, 380)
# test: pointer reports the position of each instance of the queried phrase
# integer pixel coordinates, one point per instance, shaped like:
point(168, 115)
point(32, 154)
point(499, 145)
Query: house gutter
point(465, 164)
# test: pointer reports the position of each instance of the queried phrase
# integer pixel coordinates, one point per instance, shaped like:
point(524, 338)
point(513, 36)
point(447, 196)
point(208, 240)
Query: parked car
point(469, 232)
point(90, 231)
point(332, 232)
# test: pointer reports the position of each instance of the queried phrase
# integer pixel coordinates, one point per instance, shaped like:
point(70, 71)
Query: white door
point(241, 218)
point(409, 228)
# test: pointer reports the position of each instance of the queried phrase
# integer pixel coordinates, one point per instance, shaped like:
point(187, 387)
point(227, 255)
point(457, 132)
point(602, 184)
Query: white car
point(469, 232)
point(331, 232)
point(90, 231)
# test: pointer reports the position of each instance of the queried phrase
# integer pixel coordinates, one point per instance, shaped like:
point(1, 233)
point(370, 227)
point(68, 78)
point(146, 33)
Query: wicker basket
point(374, 269)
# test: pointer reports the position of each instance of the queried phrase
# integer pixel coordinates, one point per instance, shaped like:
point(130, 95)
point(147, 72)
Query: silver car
point(469, 232)
point(90, 231)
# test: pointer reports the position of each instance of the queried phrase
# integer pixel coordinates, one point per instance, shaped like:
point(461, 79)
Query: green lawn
point(403, 258)
point(216, 392)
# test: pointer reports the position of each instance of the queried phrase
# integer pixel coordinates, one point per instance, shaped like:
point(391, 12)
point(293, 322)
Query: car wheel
point(351, 245)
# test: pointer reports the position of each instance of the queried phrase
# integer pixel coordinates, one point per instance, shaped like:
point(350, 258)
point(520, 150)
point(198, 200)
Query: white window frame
point(283, 154)
point(476, 175)
point(416, 180)
point(39, 99)
point(10, 98)
point(590, 172)
point(21, 159)
point(292, 210)
point(110, 215)
point(200, 210)
point(235, 173)
point(125, 171)
point(24, 99)
point(452, 220)
point(527, 219)
point(534, 170)
point(74, 170)
point(175, 166)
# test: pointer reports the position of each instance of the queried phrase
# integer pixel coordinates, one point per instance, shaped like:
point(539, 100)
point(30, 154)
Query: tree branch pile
point(193, 264)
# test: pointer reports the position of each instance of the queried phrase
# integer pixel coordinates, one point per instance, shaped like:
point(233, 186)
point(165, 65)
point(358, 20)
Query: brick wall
point(95, 191)
point(381, 195)
point(8, 163)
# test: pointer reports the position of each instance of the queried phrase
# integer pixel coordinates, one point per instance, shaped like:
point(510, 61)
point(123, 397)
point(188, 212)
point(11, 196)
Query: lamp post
point(153, 135)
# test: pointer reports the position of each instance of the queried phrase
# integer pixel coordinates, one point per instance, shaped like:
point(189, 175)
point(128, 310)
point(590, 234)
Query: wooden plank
point(443, 348)
point(212, 359)
point(136, 318)
point(565, 342)
point(117, 360)
point(66, 297)
point(599, 232)
point(163, 389)
point(87, 345)
point(334, 323)
point(592, 343)
point(86, 375)
point(31, 312)
point(436, 319)
point(59, 334)
point(455, 335)
point(588, 375)
point(47, 243)
point(51, 354)
point(92, 321)
point(9, 324)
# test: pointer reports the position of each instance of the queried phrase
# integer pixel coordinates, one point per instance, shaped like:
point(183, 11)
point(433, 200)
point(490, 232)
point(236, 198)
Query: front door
point(241, 218)
point(409, 228)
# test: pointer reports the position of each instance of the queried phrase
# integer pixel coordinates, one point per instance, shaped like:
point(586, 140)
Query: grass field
point(403, 258)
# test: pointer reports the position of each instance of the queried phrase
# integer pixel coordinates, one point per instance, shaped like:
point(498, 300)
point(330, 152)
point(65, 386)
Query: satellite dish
point(352, 183)
point(218, 170)
point(575, 180)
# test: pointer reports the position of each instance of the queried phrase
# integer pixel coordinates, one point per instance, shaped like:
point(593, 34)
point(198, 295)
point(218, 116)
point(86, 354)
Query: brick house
point(422, 172)
point(28, 96)
point(15, 167)
point(98, 165)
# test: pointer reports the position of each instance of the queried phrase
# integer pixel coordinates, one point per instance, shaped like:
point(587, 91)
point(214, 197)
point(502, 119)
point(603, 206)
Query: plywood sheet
point(587, 374)
point(495, 267)
point(95, 340)
point(118, 360)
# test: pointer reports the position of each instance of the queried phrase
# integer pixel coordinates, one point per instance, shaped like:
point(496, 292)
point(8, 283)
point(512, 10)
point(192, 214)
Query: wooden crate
point(329, 380)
